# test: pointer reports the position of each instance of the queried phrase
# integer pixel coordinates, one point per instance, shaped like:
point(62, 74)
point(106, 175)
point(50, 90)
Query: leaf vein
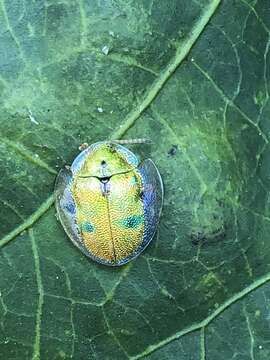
point(181, 53)
point(112, 334)
point(202, 343)
point(226, 99)
point(183, 149)
point(9, 28)
point(45, 206)
point(250, 333)
point(36, 350)
point(252, 8)
point(20, 149)
point(233, 299)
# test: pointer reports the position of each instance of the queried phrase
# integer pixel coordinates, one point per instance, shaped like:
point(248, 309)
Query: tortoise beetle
point(109, 203)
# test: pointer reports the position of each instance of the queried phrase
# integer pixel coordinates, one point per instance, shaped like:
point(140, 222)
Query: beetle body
point(108, 203)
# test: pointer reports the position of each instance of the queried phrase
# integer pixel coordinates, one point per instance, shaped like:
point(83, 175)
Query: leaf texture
point(194, 77)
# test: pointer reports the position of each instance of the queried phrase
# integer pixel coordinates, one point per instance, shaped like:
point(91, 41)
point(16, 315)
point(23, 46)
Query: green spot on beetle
point(132, 222)
point(87, 227)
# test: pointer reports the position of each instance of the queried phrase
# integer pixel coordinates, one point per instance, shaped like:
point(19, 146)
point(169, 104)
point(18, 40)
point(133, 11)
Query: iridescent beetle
point(109, 203)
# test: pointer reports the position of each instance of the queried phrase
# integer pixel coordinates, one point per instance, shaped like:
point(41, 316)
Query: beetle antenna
point(133, 141)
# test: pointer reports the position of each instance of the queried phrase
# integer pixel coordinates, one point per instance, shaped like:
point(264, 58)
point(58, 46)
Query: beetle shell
point(109, 203)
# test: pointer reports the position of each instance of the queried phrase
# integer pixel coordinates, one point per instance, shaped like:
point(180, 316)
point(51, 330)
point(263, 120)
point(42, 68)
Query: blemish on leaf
point(173, 150)
point(257, 313)
point(201, 238)
point(105, 49)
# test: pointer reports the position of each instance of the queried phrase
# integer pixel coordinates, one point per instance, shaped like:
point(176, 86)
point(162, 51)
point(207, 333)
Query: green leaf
point(192, 76)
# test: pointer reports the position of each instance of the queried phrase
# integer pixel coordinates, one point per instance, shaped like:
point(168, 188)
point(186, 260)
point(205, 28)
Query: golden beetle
point(109, 203)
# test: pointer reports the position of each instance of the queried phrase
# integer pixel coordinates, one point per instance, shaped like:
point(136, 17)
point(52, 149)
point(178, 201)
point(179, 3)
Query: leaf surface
point(192, 76)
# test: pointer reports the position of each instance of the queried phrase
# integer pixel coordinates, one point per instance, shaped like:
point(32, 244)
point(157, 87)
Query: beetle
point(109, 202)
